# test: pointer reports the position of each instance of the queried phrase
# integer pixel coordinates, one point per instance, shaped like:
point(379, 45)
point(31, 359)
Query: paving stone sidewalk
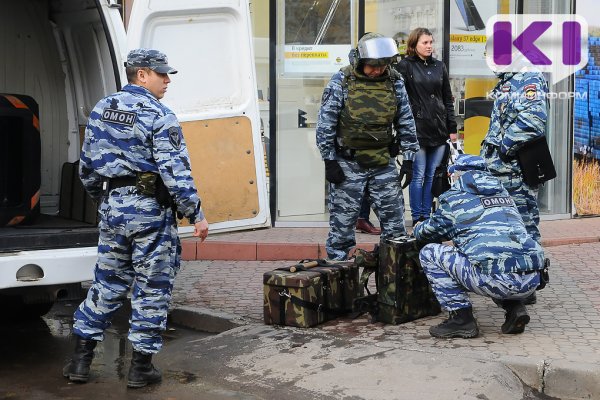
point(565, 323)
point(564, 329)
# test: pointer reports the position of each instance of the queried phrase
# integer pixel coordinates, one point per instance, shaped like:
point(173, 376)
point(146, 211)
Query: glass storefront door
point(312, 42)
point(471, 80)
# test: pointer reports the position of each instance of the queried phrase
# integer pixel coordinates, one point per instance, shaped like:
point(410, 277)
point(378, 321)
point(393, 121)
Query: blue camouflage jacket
point(520, 107)
point(480, 217)
point(332, 103)
point(131, 131)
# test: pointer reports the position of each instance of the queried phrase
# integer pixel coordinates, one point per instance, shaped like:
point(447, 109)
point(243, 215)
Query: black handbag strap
point(284, 296)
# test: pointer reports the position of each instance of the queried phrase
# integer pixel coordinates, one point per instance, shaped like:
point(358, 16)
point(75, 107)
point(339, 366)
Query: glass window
point(396, 18)
point(313, 42)
point(554, 198)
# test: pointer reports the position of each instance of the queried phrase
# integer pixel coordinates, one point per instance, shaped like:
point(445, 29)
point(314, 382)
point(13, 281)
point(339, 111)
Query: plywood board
point(223, 167)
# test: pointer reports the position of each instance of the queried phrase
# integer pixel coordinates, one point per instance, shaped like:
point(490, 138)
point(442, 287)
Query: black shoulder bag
point(536, 162)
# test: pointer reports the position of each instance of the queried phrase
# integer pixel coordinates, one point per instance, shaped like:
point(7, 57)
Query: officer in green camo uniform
point(361, 107)
point(135, 163)
point(519, 116)
point(493, 254)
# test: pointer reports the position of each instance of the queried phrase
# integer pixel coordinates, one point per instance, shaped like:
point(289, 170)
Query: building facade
point(300, 44)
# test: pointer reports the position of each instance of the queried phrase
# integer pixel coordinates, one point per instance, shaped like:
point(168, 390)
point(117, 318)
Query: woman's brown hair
point(413, 39)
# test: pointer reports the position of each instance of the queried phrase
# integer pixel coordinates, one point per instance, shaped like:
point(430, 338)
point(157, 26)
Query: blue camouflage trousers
point(451, 276)
point(138, 250)
point(525, 198)
point(385, 196)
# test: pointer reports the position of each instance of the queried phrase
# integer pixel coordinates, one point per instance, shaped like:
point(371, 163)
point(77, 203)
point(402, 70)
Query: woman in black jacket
point(428, 87)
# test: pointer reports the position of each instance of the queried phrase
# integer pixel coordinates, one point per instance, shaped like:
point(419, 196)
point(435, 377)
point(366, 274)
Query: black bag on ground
point(536, 162)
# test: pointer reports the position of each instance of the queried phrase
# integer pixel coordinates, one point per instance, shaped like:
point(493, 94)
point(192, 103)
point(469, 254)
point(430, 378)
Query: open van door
point(214, 97)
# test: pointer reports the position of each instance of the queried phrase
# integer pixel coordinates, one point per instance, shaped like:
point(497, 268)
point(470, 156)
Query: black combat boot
point(531, 299)
point(516, 316)
point(460, 323)
point(142, 372)
point(78, 369)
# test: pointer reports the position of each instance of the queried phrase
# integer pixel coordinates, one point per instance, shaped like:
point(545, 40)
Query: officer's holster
point(146, 183)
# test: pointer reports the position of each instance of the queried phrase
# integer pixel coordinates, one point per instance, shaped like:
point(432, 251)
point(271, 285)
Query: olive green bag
point(293, 298)
point(403, 291)
point(310, 292)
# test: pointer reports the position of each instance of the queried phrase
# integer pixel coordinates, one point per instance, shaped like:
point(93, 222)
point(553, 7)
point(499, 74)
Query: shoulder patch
point(530, 91)
point(175, 137)
point(506, 87)
point(497, 201)
point(119, 117)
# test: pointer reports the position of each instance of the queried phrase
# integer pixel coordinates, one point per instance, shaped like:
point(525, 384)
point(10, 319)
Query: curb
point(255, 251)
point(270, 251)
point(557, 378)
point(204, 319)
point(567, 241)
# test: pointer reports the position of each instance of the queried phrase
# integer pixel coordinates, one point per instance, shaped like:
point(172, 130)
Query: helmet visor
point(375, 48)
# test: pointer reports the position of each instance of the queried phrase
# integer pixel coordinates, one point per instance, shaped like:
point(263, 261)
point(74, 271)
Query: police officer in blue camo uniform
point(134, 161)
point(519, 116)
point(493, 255)
point(361, 106)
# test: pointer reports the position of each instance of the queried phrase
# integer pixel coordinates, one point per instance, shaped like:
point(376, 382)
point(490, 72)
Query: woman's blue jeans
point(425, 162)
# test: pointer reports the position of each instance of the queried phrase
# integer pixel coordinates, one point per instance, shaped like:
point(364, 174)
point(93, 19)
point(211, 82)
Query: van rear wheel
point(17, 309)
point(37, 310)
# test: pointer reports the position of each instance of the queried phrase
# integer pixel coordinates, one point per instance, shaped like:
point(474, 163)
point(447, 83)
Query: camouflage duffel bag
point(310, 292)
point(404, 293)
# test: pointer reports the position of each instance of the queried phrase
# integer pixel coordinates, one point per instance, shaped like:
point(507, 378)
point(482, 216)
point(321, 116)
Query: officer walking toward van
point(361, 106)
point(134, 161)
point(493, 255)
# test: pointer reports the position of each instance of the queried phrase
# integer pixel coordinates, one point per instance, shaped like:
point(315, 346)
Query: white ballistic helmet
point(375, 49)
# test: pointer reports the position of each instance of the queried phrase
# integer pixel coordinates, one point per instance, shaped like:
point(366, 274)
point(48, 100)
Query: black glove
point(333, 172)
point(406, 170)
point(394, 149)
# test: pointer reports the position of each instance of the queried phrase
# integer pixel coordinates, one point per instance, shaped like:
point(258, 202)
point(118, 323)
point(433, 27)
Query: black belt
point(118, 182)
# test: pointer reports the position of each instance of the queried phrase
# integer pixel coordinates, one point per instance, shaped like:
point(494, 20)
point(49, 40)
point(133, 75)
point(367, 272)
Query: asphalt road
point(32, 355)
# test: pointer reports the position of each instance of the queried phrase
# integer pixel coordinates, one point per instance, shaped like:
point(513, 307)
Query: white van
point(61, 57)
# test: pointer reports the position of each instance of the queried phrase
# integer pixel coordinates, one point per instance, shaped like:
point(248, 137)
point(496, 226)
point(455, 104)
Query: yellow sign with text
point(468, 38)
point(306, 54)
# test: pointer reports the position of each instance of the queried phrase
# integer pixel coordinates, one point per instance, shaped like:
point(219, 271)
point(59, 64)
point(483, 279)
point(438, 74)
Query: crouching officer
point(361, 106)
point(134, 161)
point(493, 255)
